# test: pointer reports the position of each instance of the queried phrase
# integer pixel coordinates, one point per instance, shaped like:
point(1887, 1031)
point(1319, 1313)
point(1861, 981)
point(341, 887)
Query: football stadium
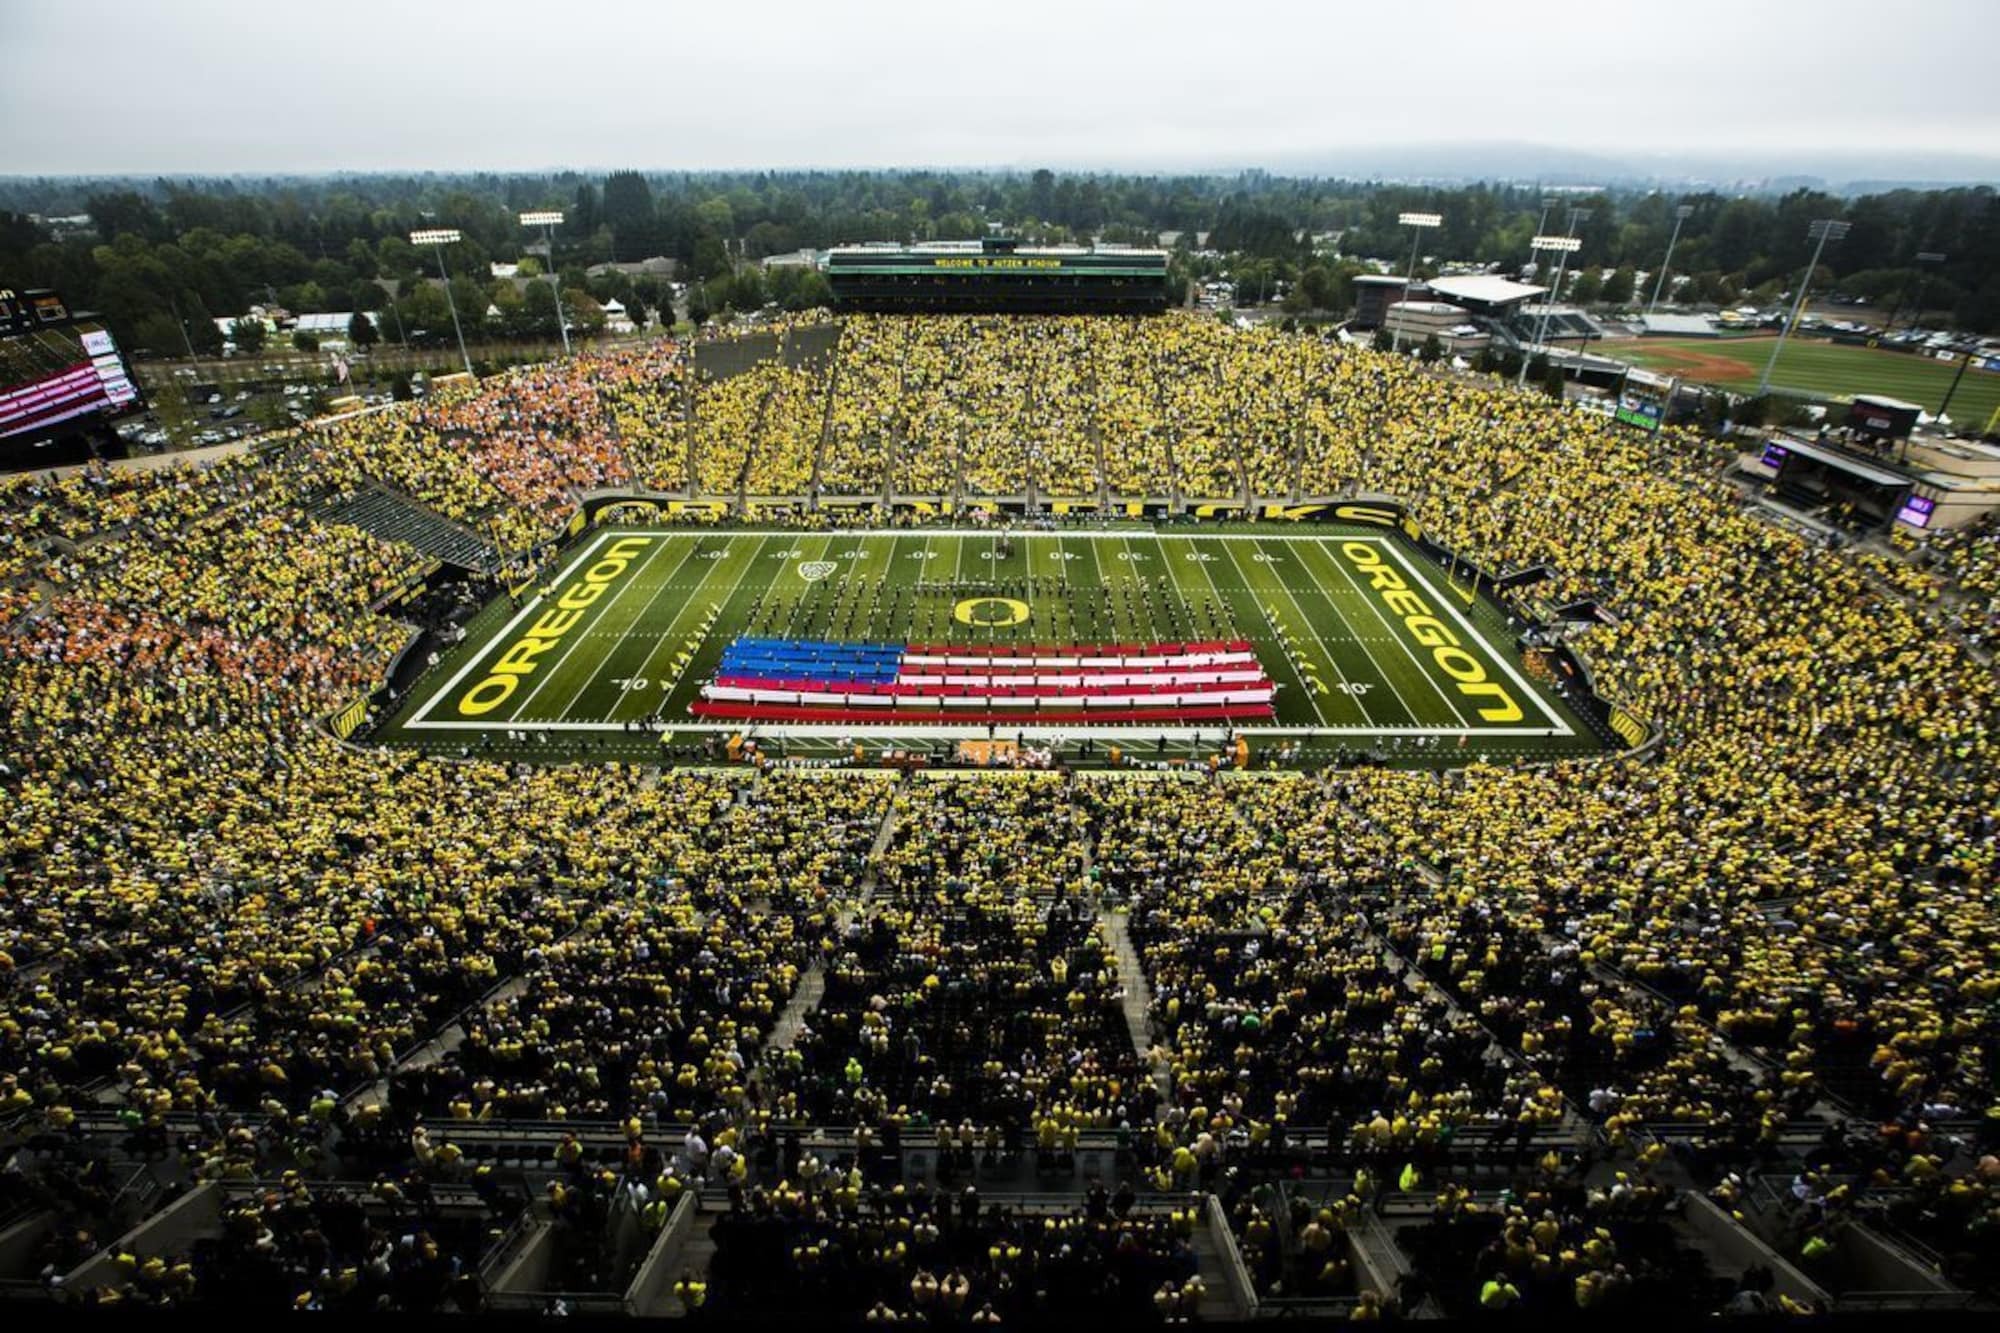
point(683, 842)
point(1193, 740)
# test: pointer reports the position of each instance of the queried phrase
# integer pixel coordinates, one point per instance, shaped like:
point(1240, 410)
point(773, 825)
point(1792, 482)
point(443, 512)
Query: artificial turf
point(1352, 675)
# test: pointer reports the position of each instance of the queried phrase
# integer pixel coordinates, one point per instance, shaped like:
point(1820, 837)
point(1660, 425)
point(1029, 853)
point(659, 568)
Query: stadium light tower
point(1566, 246)
point(548, 220)
point(440, 237)
point(1419, 223)
point(1821, 231)
point(1681, 214)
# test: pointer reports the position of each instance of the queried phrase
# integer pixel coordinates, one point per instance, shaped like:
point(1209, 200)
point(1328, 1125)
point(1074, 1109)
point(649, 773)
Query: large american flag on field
point(804, 680)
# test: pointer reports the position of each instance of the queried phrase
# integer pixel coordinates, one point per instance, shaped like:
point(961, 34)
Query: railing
point(1235, 1273)
point(1858, 1302)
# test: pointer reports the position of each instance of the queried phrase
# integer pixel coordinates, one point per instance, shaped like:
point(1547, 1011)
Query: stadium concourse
point(290, 1022)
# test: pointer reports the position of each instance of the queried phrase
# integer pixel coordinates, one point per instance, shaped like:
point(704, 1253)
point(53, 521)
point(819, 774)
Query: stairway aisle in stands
point(813, 984)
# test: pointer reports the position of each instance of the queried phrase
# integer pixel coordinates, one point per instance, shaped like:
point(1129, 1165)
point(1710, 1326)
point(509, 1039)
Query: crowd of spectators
point(215, 909)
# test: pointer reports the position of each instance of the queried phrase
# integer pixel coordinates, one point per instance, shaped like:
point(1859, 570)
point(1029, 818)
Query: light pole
point(1565, 246)
point(440, 237)
point(1549, 201)
point(1418, 223)
point(1681, 214)
point(548, 220)
point(1821, 231)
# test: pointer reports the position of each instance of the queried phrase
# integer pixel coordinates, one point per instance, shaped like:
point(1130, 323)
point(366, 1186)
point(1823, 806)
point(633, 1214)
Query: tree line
point(160, 259)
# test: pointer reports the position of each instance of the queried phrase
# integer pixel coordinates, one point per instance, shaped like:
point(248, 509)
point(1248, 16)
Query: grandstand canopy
point(1839, 462)
point(1485, 293)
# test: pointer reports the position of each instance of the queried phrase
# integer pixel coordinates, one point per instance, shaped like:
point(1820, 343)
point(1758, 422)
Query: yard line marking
point(1332, 657)
point(1383, 620)
point(505, 633)
point(1304, 685)
point(603, 615)
point(667, 638)
point(1499, 659)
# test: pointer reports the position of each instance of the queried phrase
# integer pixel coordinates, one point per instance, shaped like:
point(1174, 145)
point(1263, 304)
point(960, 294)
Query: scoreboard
point(58, 371)
point(997, 274)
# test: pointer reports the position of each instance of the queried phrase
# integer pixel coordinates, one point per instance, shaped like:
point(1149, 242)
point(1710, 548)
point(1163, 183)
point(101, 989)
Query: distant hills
point(1846, 172)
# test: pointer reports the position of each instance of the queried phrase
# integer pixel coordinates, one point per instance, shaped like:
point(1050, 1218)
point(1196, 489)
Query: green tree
point(158, 335)
point(248, 334)
point(1619, 286)
point(710, 258)
point(1432, 350)
point(361, 330)
point(1552, 382)
point(269, 411)
point(583, 311)
point(538, 309)
point(170, 409)
point(747, 289)
point(305, 341)
point(1384, 340)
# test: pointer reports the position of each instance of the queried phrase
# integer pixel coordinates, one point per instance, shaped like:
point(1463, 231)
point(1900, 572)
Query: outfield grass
point(1820, 369)
point(1350, 675)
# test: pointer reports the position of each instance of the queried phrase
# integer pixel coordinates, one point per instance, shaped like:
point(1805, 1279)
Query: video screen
point(53, 376)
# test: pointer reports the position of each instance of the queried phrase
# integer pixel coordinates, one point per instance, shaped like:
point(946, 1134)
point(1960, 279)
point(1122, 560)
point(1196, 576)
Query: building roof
point(1485, 288)
point(1685, 326)
point(1843, 463)
point(1882, 400)
point(336, 322)
point(1385, 279)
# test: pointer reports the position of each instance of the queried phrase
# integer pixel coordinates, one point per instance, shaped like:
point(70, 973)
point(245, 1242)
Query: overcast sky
point(182, 86)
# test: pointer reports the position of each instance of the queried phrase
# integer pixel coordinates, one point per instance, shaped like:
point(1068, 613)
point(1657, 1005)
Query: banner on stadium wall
point(1381, 515)
point(577, 523)
point(1216, 508)
point(625, 511)
point(1292, 513)
point(1628, 728)
point(349, 719)
point(1061, 507)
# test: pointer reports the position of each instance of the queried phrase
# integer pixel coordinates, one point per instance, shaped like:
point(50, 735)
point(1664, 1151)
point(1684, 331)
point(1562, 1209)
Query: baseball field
point(1818, 369)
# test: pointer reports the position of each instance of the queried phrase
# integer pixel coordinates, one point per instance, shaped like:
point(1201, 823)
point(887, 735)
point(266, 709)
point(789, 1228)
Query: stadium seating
point(311, 957)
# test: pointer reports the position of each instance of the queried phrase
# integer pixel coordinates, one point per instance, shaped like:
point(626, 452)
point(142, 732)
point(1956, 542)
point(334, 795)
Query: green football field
point(1819, 369)
point(633, 622)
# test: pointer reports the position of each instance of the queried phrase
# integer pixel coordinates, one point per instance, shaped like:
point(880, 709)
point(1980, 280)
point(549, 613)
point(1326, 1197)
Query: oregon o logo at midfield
point(991, 612)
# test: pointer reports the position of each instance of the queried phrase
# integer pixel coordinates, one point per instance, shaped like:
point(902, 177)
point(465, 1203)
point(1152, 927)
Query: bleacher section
point(397, 518)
